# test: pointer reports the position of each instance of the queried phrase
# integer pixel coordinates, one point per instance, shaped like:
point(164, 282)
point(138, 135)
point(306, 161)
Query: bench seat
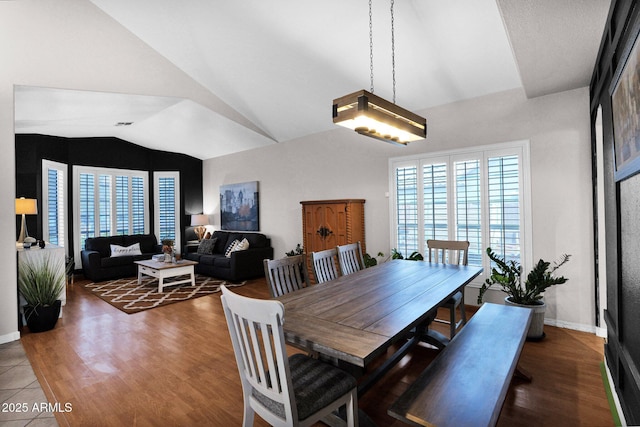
point(468, 381)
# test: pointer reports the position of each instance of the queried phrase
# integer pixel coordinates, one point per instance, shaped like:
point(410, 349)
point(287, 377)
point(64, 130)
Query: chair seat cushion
point(316, 384)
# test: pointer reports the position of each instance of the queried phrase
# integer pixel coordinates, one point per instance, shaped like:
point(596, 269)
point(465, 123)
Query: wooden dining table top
point(357, 317)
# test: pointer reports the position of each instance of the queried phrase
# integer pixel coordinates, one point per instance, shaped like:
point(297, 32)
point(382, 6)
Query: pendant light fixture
point(376, 117)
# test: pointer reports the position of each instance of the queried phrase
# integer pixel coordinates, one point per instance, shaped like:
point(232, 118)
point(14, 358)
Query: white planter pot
point(536, 328)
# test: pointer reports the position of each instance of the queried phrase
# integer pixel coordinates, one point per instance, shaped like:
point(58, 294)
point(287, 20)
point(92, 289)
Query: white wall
point(341, 164)
point(69, 44)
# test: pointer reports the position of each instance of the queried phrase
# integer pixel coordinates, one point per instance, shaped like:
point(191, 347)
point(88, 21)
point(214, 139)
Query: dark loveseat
point(98, 264)
point(240, 265)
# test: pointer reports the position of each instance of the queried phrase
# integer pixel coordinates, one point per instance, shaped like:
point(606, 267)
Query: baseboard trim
point(601, 332)
point(13, 336)
point(614, 393)
point(569, 325)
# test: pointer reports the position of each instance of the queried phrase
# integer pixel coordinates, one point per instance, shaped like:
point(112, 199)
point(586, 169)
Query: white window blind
point(475, 194)
point(167, 206)
point(406, 184)
point(138, 204)
point(504, 207)
point(468, 208)
point(54, 181)
point(435, 201)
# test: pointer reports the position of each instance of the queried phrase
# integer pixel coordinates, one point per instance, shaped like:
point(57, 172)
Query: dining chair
point(286, 275)
point(285, 391)
point(350, 258)
point(325, 265)
point(451, 252)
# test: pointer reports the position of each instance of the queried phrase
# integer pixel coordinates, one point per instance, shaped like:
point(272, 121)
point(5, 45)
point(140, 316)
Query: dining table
point(355, 318)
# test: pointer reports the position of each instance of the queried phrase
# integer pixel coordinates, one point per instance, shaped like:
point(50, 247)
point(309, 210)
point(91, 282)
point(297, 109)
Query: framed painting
point(625, 105)
point(239, 207)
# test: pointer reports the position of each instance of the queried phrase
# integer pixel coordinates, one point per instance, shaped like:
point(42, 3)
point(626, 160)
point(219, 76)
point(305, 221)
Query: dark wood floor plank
point(174, 365)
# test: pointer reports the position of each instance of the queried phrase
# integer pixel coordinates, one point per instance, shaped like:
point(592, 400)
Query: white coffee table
point(164, 270)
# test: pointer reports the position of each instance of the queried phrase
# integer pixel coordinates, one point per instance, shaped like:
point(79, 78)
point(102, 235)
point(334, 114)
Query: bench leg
point(522, 374)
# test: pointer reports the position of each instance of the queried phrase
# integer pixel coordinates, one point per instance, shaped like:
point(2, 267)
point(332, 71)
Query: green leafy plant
point(370, 261)
point(40, 281)
point(415, 256)
point(297, 251)
point(508, 275)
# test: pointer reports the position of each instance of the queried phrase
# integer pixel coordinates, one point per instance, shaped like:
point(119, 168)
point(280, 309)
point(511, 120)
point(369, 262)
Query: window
point(477, 195)
point(108, 202)
point(167, 206)
point(54, 181)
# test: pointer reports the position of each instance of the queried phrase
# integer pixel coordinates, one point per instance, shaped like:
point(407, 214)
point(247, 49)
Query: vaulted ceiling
point(280, 63)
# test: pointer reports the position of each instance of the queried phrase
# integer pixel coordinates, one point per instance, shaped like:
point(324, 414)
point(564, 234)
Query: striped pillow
point(237, 245)
point(231, 248)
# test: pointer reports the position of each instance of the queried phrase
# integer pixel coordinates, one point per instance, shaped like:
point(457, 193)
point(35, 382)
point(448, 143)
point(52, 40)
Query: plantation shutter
point(504, 206)
point(407, 209)
point(468, 208)
point(435, 201)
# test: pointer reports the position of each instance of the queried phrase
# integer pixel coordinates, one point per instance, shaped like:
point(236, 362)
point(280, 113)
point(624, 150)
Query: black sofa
point(99, 265)
point(240, 265)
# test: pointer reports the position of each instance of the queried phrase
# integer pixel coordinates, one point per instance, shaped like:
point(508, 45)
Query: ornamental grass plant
point(40, 281)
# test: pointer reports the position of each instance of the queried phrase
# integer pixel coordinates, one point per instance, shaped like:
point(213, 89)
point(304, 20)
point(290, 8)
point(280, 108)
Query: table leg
point(160, 284)
point(139, 276)
point(193, 277)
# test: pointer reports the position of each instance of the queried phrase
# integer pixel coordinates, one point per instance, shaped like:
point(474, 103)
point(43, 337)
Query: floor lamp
point(26, 207)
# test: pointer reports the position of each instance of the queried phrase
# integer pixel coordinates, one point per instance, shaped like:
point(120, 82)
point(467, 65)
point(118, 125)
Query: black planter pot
point(41, 318)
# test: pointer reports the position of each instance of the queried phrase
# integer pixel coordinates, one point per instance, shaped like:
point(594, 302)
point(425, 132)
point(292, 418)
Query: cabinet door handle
point(324, 232)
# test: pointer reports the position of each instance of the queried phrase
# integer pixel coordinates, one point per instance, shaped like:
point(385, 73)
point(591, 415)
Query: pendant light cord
point(371, 45)
point(393, 49)
point(393, 54)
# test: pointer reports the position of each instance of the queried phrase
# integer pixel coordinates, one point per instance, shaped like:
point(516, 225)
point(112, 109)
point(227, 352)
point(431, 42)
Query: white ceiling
point(280, 63)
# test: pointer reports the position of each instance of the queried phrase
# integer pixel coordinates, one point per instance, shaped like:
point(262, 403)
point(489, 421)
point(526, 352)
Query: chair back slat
point(325, 265)
point(350, 258)
point(286, 275)
point(255, 327)
point(448, 251)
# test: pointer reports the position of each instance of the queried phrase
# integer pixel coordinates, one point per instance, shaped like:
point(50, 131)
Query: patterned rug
point(126, 295)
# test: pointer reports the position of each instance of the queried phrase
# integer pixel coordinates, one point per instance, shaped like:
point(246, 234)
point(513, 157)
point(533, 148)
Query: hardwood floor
point(174, 365)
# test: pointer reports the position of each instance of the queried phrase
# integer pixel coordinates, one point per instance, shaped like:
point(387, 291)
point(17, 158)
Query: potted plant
point(41, 282)
point(508, 275)
point(370, 261)
point(297, 251)
point(415, 255)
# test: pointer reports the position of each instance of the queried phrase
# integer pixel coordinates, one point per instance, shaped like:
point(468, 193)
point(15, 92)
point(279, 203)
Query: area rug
point(126, 295)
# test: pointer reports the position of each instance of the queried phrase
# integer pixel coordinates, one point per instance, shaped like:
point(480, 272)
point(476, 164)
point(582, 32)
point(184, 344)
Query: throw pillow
point(117, 250)
point(237, 245)
point(206, 246)
point(242, 246)
point(231, 248)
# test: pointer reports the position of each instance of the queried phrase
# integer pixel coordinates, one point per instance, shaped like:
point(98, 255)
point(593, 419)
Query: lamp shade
point(378, 118)
point(199, 220)
point(26, 206)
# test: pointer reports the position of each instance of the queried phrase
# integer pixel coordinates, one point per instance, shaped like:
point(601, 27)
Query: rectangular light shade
point(26, 206)
point(378, 118)
point(199, 220)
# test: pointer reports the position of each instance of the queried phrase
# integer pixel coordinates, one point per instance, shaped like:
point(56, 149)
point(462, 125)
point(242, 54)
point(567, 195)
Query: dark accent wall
point(101, 152)
point(622, 216)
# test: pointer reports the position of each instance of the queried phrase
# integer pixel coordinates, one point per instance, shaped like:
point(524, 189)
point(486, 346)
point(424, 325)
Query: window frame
point(112, 173)
point(520, 148)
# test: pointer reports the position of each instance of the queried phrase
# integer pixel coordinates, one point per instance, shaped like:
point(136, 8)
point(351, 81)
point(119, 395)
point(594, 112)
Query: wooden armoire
point(329, 223)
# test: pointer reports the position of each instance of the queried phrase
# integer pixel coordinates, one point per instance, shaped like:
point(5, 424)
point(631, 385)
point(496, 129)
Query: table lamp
point(199, 222)
point(26, 207)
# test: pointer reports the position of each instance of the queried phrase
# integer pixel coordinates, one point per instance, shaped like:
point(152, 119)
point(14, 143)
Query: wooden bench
point(468, 381)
